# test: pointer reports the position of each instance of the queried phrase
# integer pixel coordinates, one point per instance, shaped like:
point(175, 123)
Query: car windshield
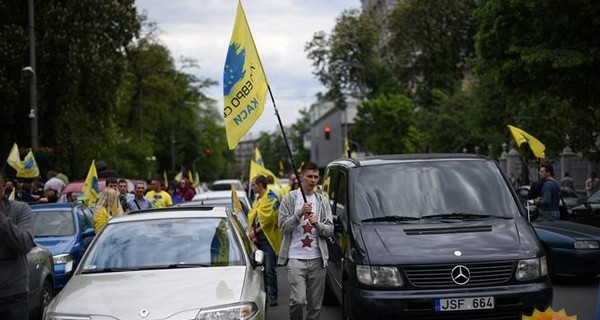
point(163, 244)
point(53, 223)
point(434, 189)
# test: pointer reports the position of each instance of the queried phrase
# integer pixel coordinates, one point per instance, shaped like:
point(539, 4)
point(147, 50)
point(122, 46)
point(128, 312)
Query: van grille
point(439, 276)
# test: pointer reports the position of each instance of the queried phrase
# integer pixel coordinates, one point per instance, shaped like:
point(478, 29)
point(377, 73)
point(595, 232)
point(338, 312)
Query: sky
point(201, 30)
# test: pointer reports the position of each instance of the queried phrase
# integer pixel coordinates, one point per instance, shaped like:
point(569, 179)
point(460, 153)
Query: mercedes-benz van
point(432, 236)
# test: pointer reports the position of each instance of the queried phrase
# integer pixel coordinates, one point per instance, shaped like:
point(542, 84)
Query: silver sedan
point(171, 263)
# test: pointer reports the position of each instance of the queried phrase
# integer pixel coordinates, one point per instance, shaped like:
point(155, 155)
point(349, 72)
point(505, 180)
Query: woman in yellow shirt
point(106, 208)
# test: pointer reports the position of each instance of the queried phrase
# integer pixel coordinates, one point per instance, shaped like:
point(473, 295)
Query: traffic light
point(327, 131)
point(207, 152)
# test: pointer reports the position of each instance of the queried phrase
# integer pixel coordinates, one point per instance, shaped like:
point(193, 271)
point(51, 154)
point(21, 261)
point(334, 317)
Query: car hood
point(493, 239)
point(574, 230)
point(163, 293)
point(57, 245)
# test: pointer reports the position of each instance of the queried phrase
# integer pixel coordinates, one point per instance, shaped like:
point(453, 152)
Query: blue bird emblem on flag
point(234, 67)
point(29, 164)
point(95, 185)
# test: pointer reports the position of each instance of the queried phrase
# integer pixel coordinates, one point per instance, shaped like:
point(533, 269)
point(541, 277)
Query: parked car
point(588, 212)
point(67, 230)
point(433, 236)
point(169, 263)
point(41, 280)
point(219, 199)
point(571, 247)
point(225, 184)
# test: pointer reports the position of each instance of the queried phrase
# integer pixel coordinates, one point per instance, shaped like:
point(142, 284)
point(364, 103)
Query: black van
point(431, 236)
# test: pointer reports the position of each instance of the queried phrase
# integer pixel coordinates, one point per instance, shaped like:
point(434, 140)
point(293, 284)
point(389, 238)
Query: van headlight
point(65, 259)
point(235, 311)
point(529, 269)
point(379, 276)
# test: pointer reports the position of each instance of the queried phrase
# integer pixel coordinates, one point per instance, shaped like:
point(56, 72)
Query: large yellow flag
point(29, 167)
point(14, 159)
point(521, 137)
point(256, 169)
point(91, 189)
point(244, 82)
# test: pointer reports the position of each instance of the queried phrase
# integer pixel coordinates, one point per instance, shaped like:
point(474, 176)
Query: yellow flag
point(29, 167)
point(14, 159)
point(521, 137)
point(244, 82)
point(190, 177)
point(256, 169)
point(196, 180)
point(237, 205)
point(91, 189)
point(178, 176)
point(258, 157)
point(165, 178)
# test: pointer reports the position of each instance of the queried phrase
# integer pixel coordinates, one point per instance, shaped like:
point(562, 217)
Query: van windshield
point(432, 188)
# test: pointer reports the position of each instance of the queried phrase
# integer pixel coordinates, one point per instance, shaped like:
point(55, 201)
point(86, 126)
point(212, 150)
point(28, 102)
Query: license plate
point(472, 303)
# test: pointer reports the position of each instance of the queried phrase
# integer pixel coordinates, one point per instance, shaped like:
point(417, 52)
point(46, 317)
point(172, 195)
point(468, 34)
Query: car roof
point(398, 158)
point(42, 206)
point(227, 181)
point(217, 194)
point(173, 213)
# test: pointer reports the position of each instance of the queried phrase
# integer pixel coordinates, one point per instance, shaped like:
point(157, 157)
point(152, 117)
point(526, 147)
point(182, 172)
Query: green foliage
point(386, 125)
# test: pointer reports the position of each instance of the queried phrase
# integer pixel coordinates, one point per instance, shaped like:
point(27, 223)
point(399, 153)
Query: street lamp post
point(33, 79)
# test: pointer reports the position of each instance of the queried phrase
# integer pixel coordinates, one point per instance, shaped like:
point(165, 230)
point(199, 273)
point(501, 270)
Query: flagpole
point(287, 145)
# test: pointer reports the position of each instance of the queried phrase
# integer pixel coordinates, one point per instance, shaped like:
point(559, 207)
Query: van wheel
point(347, 313)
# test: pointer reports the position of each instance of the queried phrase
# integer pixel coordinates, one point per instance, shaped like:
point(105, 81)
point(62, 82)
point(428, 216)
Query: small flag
point(190, 177)
point(30, 168)
point(256, 169)
point(91, 189)
point(178, 176)
point(237, 205)
point(14, 159)
point(165, 178)
point(244, 82)
point(196, 180)
point(521, 137)
point(258, 157)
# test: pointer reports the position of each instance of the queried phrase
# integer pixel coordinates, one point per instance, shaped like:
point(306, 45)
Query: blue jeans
point(15, 307)
point(270, 274)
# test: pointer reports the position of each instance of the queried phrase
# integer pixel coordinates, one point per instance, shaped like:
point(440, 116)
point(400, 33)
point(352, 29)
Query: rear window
point(417, 189)
point(165, 243)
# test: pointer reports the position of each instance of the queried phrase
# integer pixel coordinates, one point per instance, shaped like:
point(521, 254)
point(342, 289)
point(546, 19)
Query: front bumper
point(511, 302)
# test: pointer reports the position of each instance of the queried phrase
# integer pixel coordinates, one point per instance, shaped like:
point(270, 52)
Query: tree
point(430, 44)
point(543, 55)
point(386, 125)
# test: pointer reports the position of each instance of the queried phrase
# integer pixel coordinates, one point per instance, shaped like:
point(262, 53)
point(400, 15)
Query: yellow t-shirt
point(160, 199)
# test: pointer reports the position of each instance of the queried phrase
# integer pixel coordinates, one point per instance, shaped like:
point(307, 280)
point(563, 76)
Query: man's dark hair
point(309, 166)
point(262, 180)
point(111, 180)
point(548, 168)
point(122, 181)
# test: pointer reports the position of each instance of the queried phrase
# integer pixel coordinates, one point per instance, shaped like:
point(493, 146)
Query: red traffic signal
point(327, 130)
point(207, 152)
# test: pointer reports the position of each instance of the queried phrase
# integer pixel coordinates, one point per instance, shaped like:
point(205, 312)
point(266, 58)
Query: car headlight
point(379, 276)
point(54, 316)
point(529, 269)
point(65, 259)
point(236, 311)
point(586, 244)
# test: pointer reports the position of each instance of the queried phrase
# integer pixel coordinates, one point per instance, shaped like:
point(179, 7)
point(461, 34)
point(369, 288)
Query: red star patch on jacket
point(307, 228)
point(307, 242)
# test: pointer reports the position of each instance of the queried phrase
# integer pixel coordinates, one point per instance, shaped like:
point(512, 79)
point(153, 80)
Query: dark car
point(571, 247)
point(67, 230)
point(41, 280)
point(434, 236)
point(588, 211)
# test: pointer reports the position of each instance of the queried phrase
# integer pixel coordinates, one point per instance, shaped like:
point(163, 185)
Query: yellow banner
point(244, 82)
point(521, 137)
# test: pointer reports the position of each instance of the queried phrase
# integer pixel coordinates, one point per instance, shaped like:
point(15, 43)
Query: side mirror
point(259, 258)
point(89, 232)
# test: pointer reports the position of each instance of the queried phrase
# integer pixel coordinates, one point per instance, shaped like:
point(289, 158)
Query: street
point(576, 296)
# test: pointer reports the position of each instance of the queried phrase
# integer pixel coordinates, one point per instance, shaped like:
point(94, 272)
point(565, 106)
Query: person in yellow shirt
point(159, 197)
point(264, 232)
point(106, 208)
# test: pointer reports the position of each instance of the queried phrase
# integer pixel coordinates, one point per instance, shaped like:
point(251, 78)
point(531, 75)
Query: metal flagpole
point(286, 143)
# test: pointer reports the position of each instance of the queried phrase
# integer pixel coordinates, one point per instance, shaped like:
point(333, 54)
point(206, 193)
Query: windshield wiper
point(461, 216)
point(153, 267)
point(186, 265)
point(103, 270)
point(395, 218)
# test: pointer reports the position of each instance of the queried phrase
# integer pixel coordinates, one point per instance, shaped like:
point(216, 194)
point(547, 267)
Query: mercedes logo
point(460, 275)
point(144, 313)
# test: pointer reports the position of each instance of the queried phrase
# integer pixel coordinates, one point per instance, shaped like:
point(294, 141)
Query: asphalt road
point(576, 296)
